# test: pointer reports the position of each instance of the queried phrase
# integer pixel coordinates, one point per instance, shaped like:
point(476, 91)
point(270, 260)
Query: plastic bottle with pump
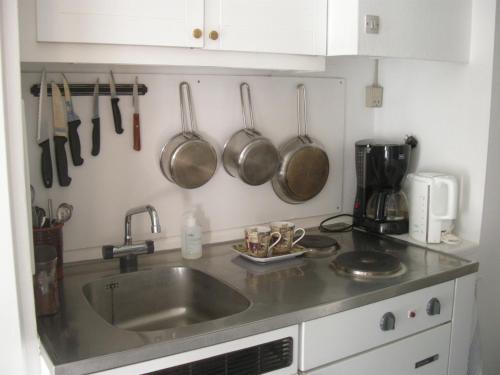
point(191, 237)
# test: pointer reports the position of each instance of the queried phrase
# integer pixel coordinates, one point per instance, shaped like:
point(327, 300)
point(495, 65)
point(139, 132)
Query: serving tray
point(296, 251)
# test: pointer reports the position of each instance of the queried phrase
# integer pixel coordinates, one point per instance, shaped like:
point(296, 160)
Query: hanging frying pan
point(304, 167)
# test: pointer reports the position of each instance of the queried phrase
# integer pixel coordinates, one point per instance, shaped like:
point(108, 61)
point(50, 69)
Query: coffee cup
point(288, 232)
point(260, 240)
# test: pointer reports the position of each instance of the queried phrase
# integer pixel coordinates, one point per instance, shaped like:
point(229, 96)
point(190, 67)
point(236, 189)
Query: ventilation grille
point(250, 361)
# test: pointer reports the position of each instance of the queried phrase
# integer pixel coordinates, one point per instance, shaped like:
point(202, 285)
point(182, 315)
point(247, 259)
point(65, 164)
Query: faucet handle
point(113, 251)
point(108, 251)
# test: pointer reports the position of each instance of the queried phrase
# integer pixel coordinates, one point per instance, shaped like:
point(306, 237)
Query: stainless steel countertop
point(78, 341)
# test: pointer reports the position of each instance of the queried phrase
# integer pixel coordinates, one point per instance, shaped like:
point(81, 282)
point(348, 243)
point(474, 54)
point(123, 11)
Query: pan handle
point(301, 112)
point(246, 106)
point(188, 127)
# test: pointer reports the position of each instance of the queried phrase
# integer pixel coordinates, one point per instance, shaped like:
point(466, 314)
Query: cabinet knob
point(388, 322)
point(197, 33)
point(214, 35)
point(434, 307)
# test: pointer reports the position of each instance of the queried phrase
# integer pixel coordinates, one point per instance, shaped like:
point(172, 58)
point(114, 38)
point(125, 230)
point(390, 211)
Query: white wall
point(447, 107)
point(120, 178)
point(489, 254)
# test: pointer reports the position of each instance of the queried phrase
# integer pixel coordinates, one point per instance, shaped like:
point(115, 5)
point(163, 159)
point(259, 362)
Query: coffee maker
point(381, 205)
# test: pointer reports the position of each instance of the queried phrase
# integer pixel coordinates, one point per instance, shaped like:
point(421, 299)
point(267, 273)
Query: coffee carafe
point(381, 206)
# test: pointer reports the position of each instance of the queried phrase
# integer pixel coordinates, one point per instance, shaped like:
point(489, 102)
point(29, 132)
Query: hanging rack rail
point(87, 89)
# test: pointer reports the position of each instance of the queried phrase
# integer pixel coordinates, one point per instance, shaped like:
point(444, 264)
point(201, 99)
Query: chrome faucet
point(129, 251)
point(153, 215)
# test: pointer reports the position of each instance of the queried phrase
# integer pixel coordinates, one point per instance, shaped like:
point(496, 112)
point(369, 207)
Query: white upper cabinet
point(275, 26)
point(146, 22)
point(272, 26)
point(416, 29)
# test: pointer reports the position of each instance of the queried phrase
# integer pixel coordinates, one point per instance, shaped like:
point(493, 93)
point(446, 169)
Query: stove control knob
point(433, 307)
point(388, 322)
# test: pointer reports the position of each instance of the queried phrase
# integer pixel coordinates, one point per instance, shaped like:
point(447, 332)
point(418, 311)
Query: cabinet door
point(423, 354)
point(275, 26)
point(136, 22)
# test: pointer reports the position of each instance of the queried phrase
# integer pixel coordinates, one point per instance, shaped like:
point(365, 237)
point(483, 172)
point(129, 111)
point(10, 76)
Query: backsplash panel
point(119, 178)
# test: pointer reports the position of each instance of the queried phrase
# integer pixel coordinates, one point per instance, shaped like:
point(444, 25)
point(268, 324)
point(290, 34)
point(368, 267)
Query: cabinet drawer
point(337, 336)
point(423, 354)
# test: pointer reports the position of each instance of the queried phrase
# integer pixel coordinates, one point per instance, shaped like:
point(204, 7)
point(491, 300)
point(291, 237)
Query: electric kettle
point(433, 200)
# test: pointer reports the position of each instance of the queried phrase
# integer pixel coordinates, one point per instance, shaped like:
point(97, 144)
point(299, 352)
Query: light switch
point(372, 24)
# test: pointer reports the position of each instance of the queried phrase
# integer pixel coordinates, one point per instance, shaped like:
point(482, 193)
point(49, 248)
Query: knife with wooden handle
point(137, 121)
point(73, 124)
point(60, 135)
point(117, 116)
point(42, 137)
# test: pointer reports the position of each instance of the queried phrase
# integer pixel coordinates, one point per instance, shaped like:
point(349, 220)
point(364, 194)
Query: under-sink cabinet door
point(422, 354)
point(273, 26)
point(135, 22)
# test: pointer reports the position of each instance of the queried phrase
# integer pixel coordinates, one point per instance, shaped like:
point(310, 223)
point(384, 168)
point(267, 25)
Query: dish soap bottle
point(191, 237)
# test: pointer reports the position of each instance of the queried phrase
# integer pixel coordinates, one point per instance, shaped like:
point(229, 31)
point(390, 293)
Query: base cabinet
point(423, 354)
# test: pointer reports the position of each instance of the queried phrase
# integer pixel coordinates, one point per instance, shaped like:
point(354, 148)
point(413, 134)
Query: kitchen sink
point(162, 298)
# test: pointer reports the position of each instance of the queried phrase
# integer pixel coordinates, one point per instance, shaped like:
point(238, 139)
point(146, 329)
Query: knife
point(73, 124)
point(117, 117)
point(96, 121)
point(137, 122)
point(60, 135)
point(42, 135)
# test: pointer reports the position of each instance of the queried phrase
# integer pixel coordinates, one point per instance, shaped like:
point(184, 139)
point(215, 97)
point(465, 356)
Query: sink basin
point(162, 298)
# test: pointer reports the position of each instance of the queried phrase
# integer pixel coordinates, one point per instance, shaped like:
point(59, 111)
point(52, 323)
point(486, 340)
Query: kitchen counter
point(78, 340)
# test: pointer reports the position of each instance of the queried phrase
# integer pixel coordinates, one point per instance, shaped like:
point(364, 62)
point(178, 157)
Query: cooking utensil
point(50, 211)
point(60, 136)
point(73, 124)
point(117, 116)
point(187, 159)
point(96, 122)
point(64, 212)
point(137, 122)
point(248, 155)
point(42, 137)
point(304, 167)
point(32, 194)
point(38, 216)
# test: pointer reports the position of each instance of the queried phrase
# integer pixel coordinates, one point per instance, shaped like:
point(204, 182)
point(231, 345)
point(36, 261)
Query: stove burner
point(367, 264)
point(317, 241)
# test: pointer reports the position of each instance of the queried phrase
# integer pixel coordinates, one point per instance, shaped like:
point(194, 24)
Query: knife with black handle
point(60, 136)
point(117, 116)
point(96, 123)
point(73, 124)
point(61, 161)
point(43, 135)
point(96, 136)
point(46, 164)
point(74, 142)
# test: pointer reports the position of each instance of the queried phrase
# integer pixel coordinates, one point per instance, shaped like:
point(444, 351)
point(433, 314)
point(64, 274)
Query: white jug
point(433, 200)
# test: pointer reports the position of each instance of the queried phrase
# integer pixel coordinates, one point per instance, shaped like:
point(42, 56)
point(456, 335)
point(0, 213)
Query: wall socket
point(374, 96)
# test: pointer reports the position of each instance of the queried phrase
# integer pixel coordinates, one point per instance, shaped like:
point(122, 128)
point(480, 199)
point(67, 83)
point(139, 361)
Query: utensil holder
point(52, 236)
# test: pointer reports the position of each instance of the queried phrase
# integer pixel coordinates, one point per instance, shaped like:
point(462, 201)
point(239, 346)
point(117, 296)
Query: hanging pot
point(187, 159)
point(249, 155)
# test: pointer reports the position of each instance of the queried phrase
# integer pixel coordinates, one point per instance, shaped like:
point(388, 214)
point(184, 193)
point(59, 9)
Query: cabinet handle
point(197, 33)
point(214, 35)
